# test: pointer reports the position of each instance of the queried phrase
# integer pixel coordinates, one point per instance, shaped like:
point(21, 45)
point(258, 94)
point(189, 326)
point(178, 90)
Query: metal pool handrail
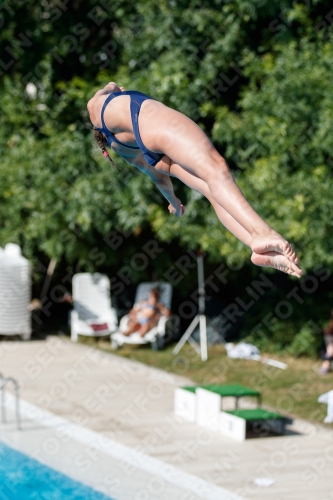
point(3, 382)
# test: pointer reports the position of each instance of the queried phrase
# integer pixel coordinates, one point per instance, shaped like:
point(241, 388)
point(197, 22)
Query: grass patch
point(293, 391)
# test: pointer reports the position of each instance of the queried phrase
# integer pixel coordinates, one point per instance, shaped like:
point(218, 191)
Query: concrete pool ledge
point(131, 461)
point(122, 411)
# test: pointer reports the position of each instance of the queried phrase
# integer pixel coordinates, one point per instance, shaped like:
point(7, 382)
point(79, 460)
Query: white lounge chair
point(92, 314)
point(156, 336)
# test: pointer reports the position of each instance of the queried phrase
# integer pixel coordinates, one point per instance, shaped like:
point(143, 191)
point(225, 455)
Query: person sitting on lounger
point(145, 315)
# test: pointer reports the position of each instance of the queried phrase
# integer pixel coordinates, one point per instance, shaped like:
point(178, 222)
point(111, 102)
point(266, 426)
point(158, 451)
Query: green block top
point(189, 388)
point(256, 414)
point(225, 390)
point(231, 390)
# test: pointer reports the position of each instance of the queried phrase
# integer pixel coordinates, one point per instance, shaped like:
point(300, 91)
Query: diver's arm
point(164, 185)
point(162, 182)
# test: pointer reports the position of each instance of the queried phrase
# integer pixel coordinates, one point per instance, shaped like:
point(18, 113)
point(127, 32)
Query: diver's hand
point(177, 210)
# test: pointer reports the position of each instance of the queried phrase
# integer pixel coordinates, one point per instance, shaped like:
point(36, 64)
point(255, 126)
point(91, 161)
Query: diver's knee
point(218, 176)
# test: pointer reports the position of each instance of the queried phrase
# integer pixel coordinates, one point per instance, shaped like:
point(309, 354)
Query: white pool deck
point(108, 422)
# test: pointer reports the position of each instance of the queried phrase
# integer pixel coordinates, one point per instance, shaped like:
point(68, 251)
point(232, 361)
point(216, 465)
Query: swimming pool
point(23, 478)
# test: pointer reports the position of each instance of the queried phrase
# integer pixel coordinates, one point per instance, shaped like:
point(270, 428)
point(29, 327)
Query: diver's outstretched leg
point(166, 130)
point(269, 259)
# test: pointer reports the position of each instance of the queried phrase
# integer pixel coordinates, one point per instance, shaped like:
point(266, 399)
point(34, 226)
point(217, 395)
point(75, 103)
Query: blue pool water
point(23, 478)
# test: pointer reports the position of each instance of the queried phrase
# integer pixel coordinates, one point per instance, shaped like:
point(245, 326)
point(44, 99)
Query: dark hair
point(101, 142)
point(156, 291)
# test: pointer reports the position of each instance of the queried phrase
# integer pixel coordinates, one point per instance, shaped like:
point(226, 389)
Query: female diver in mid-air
point(171, 144)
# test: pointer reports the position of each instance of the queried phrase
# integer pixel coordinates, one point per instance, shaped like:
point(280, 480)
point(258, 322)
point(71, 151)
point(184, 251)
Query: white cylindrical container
point(15, 292)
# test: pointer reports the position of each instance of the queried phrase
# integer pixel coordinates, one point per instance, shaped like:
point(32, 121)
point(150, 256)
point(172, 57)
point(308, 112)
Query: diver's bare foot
point(277, 261)
point(273, 242)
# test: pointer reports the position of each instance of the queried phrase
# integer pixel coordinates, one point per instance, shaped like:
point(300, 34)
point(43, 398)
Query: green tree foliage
point(282, 144)
point(255, 75)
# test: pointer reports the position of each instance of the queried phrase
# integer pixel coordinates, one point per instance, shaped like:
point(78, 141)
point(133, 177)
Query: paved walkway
point(131, 405)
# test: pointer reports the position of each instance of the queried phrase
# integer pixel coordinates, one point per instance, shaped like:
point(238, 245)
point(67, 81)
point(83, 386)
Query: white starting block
point(242, 424)
point(208, 408)
point(232, 426)
point(203, 405)
point(186, 403)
